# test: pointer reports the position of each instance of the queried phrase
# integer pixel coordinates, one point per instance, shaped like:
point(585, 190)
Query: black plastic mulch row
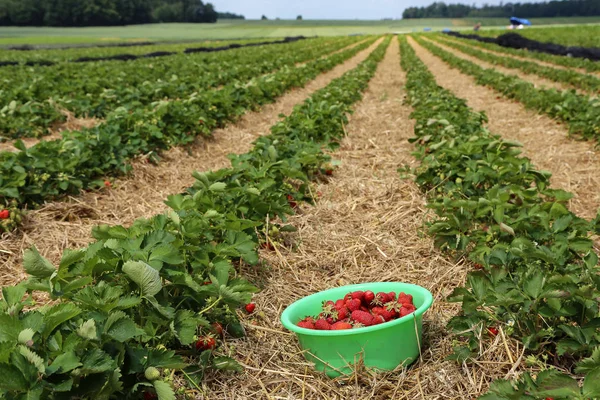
point(128, 57)
point(516, 41)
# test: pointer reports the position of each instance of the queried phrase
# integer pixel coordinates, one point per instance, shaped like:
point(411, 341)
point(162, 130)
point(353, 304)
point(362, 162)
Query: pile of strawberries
point(359, 309)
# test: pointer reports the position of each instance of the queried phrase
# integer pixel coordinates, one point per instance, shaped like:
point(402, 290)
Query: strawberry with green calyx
point(308, 324)
point(206, 343)
point(391, 296)
point(380, 299)
point(353, 304)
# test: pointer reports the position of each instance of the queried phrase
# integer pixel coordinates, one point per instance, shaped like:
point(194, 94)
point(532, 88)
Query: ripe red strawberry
point(493, 331)
point(381, 298)
point(353, 304)
point(407, 309)
point(328, 317)
point(391, 296)
point(250, 307)
point(107, 184)
point(267, 246)
point(362, 317)
point(328, 172)
point(150, 396)
point(368, 297)
point(348, 297)
point(322, 325)
point(378, 319)
point(358, 295)
point(389, 315)
point(217, 328)
point(4, 214)
point(206, 343)
point(343, 313)
point(384, 312)
point(292, 201)
point(340, 325)
point(404, 298)
point(341, 303)
point(306, 324)
point(363, 308)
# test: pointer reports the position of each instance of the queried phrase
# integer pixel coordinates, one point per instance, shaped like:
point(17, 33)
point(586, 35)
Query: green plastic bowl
point(384, 346)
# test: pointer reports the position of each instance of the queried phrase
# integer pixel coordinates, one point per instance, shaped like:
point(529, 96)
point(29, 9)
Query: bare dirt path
point(575, 165)
point(520, 58)
point(67, 224)
point(537, 81)
point(365, 228)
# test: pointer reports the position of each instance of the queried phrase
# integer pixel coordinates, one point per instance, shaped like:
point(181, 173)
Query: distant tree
point(228, 15)
point(264, 18)
point(299, 18)
point(104, 12)
point(547, 9)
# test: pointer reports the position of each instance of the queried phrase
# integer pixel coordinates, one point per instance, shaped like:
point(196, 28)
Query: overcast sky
point(329, 9)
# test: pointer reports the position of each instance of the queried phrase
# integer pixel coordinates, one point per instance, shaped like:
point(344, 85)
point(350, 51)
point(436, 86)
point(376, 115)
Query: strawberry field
point(160, 214)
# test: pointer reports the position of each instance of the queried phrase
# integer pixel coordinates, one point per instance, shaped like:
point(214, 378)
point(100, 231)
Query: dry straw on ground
point(366, 227)
point(575, 165)
point(68, 223)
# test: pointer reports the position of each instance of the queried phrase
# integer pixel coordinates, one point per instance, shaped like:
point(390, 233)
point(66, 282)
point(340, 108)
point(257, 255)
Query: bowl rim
point(288, 324)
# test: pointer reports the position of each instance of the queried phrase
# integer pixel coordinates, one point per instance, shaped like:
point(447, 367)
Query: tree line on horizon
point(106, 12)
point(548, 9)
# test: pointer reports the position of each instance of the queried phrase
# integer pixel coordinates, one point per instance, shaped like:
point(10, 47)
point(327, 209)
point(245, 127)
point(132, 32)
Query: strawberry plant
point(537, 276)
point(145, 298)
point(81, 159)
point(581, 113)
point(31, 101)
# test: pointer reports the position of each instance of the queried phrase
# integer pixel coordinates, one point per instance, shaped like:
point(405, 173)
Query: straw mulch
point(366, 227)
point(575, 165)
point(68, 223)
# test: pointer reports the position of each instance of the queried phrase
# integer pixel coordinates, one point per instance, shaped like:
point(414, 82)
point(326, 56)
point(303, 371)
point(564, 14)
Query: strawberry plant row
point(106, 50)
point(584, 82)
point(81, 159)
point(588, 65)
point(535, 272)
point(33, 97)
point(143, 302)
point(581, 113)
